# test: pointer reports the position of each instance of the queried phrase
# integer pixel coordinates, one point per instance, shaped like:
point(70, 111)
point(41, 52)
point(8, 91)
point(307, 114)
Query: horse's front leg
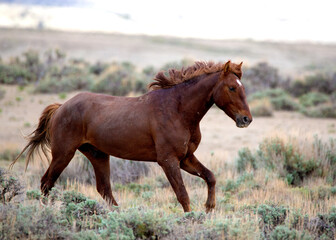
point(171, 167)
point(193, 166)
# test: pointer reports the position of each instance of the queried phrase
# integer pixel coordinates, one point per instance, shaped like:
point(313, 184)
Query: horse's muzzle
point(243, 121)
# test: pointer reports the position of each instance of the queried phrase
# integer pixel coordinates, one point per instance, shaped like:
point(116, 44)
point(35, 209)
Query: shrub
point(136, 224)
point(147, 224)
point(73, 197)
point(98, 68)
point(245, 160)
point(14, 74)
point(33, 194)
point(80, 169)
point(114, 84)
point(54, 85)
point(285, 103)
point(262, 76)
point(261, 108)
point(2, 93)
point(232, 186)
point(10, 186)
point(321, 111)
point(9, 154)
point(30, 222)
point(324, 83)
point(283, 233)
point(286, 159)
point(313, 98)
point(133, 187)
point(279, 99)
point(270, 216)
point(126, 171)
point(291, 160)
point(82, 210)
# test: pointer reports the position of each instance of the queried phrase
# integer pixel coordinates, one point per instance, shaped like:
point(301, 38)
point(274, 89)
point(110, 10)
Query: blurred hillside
point(292, 59)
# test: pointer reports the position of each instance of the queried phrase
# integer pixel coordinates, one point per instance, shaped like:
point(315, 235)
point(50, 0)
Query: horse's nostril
point(246, 119)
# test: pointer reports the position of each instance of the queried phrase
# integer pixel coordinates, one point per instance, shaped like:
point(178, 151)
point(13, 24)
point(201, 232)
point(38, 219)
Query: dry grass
point(267, 187)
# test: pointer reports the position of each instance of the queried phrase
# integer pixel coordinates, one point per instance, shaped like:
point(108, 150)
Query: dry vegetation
point(275, 179)
point(255, 199)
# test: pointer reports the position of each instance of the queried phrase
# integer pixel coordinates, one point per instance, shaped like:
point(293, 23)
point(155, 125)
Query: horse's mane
point(199, 68)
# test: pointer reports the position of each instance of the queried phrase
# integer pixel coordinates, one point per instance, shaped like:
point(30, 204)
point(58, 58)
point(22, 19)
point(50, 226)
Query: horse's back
point(119, 126)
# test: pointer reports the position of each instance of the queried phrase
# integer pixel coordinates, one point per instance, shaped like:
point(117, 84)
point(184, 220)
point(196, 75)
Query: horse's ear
point(240, 65)
point(226, 67)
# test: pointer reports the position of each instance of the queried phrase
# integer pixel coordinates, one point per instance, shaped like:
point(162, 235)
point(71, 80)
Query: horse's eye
point(232, 89)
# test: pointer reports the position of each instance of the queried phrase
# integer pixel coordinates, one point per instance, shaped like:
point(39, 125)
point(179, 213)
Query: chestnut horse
point(160, 126)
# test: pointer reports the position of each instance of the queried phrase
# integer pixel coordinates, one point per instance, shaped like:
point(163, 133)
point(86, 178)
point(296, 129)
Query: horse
point(160, 126)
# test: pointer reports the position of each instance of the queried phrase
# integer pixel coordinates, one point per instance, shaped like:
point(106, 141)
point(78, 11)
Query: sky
point(286, 20)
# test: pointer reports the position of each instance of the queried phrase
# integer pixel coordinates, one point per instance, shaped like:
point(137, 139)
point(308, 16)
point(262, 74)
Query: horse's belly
point(133, 147)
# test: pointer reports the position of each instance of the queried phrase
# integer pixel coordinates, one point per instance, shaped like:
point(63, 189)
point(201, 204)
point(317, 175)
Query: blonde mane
point(175, 77)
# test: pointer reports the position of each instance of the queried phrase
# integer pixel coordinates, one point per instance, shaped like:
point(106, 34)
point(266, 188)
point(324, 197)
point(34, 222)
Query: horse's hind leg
point(101, 165)
point(193, 166)
point(59, 161)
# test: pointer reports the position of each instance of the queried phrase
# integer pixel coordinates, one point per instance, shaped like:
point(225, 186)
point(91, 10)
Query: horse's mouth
point(243, 121)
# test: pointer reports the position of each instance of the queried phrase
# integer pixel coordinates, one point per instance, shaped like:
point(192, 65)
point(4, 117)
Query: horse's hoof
point(209, 207)
point(41, 202)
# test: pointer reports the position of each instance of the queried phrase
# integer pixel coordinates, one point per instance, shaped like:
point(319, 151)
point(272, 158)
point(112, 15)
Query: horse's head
point(229, 95)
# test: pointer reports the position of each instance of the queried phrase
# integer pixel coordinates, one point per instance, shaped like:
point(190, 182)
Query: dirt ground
point(221, 139)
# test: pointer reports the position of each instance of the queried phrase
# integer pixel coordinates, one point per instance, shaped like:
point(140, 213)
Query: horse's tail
point(40, 137)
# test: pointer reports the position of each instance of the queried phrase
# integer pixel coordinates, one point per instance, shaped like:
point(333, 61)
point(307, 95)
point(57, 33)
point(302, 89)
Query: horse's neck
point(196, 98)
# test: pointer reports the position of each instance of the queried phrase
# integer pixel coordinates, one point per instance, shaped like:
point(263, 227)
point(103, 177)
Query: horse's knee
point(210, 179)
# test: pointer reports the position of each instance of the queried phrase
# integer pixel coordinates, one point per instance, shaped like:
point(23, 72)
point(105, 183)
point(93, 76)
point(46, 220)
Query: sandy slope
point(21, 111)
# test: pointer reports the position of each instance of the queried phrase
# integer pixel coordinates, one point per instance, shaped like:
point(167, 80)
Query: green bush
point(283, 233)
point(136, 224)
point(245, 160)
point(9, 154)
point(73, 197)
point(133, 187)
point(285, 103)
point(279, 99)
point(284, 158)
point(54, 85)
point(33, 194)
point(232, 186)
point(320, 111)
point(82, 210)
point(14, 74)
point(32, 222)
point(313, 98)
point(2, 93)
point(114, 84)
point(291, 162)
point(272, 215)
